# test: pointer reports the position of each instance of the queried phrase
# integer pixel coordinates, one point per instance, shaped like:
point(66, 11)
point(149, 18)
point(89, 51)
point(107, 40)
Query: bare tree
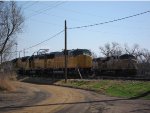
point(105, 50)
point(113, 49)
point(94, 55)
point(11, 21)
point(144, 62)
point(135, 50)
point(146, 55)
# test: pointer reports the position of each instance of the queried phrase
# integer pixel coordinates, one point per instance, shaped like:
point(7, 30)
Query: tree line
point(141, 54)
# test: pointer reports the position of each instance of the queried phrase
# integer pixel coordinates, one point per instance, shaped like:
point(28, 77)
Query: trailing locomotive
point(53, 63)
point(124, 65)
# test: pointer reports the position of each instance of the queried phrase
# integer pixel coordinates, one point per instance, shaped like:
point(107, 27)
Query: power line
point(46, 22)
point(45, 40)
point(54, 15)
point(79, 12)
point(41, 11)
point(30, 5)
point(111, 21)
point(24, 3)
point(39, 42)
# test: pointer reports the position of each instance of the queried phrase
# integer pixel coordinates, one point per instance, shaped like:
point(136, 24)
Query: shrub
point(6, 82)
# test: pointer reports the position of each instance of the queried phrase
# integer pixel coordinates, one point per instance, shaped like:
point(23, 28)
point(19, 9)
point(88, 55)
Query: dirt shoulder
point(24, 95)
point(33, 98)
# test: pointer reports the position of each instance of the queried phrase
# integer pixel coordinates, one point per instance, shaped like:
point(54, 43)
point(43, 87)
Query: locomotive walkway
point(35, 98)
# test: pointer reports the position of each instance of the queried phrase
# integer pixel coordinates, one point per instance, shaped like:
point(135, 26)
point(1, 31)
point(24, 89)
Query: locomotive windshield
point(80, 52)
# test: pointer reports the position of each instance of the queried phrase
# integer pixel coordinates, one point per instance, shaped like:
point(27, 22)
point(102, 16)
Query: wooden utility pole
point(65, 51)
point(19, 54)
point(24, 52)
point(16, 49)
point(1, 58)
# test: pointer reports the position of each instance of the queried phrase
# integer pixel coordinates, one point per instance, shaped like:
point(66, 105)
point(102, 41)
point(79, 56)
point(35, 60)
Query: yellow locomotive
point(54, 63)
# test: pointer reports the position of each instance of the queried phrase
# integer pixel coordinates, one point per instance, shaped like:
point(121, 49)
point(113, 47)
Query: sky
point(45, 19)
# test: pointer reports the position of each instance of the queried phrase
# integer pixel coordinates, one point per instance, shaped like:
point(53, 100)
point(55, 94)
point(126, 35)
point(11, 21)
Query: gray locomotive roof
point(127, 56)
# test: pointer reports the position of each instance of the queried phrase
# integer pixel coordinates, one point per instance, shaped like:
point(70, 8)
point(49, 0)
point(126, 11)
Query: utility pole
point(1, 58)
point(16, 49)
point(65, 51)
point(19, 54)
point(24, 52)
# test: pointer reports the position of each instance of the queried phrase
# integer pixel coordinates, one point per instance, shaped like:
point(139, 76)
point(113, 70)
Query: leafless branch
point(11, 20)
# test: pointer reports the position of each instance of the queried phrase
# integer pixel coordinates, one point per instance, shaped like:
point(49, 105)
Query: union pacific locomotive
point(53, 63)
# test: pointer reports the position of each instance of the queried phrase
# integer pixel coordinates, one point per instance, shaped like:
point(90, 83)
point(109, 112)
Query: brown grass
point(6, 83)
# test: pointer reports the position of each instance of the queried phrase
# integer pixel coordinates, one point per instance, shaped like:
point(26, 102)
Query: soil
point(37, 98)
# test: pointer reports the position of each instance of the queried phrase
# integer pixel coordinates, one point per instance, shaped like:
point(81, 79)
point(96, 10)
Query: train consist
point(79, 62)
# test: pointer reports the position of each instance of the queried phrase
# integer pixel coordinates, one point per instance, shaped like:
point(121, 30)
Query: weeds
point(6, 81)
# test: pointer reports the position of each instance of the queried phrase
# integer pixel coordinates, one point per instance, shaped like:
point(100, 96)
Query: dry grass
point(6, 83)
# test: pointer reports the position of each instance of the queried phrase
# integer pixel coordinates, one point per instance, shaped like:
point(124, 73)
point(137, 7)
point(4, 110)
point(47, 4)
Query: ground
point(35, 98)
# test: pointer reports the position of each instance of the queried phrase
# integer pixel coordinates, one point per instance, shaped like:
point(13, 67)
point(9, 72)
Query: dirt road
point(31, 98)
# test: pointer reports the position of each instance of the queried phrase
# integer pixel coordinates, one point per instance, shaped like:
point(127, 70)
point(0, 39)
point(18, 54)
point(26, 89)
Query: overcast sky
point(45, 19)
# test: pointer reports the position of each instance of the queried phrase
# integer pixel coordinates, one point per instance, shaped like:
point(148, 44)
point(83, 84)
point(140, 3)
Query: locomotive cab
point(82, 60)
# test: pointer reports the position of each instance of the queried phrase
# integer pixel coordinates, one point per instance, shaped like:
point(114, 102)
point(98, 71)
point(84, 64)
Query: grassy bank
point(118, 88)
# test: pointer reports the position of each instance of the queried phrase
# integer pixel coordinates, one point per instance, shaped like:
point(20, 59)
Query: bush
point(6, 82)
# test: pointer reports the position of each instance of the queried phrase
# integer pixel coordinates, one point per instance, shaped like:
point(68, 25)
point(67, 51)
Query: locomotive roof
point(15, 60)
point(56, 53)
point(79, 51)
point(127, 56)
point(101, 59)
point(24, 58)
point(73, 51)
point(124, 56)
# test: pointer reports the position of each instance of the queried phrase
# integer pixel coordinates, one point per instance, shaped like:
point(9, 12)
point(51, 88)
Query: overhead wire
point(48, 38)
point(39, 42)
point(78, 12)
point(41, 11)
point(111, 21)
point(46, 22)
point(24, 3)
point(30, 5)
point(54, 15)
point(45, 40)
